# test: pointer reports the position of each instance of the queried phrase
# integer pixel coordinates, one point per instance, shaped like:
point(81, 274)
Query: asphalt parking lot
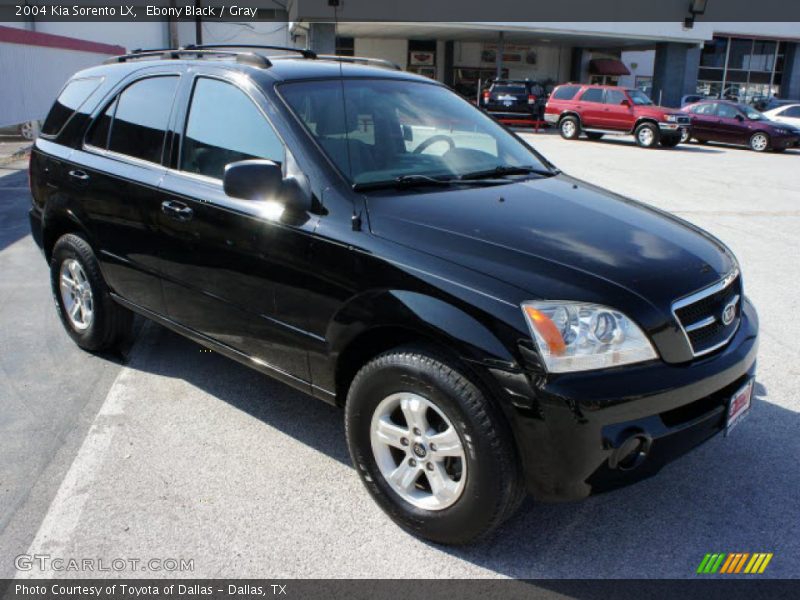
point(174, 452)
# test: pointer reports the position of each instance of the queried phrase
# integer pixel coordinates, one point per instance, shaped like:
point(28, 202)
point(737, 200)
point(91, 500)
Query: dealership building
point(740, 60)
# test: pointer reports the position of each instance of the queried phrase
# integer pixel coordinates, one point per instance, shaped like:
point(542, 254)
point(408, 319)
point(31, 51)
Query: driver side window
point(727, 112)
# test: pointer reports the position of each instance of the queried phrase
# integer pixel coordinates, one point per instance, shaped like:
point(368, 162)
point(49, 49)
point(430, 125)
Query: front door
point(617, 112)
point(221, 256)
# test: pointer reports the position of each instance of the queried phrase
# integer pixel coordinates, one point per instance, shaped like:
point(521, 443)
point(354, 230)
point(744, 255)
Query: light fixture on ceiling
point(696, 7)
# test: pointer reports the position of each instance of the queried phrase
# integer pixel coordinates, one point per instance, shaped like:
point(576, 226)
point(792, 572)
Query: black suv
point(514, 101)
point(490, 325)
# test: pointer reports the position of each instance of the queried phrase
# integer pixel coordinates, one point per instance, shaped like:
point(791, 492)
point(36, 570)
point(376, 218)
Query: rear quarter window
point(566, 92)
point(71, 98)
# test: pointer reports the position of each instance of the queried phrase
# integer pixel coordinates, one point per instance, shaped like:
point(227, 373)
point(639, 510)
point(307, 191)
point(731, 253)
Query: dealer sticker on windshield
point(739, 405)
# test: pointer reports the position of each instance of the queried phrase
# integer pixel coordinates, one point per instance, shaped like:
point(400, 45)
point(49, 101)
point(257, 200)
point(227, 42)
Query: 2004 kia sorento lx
point(490, 325)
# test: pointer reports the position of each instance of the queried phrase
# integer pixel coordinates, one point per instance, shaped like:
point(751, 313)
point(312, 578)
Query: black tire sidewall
point(71, 246)
point(482, 499)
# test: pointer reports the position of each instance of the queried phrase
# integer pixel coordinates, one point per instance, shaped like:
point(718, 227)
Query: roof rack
point(304, 52)
point(376, 62)
point(249, 58)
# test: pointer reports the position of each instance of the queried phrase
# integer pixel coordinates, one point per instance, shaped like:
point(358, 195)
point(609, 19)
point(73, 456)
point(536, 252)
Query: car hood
point(655, 111)
point(533, 233)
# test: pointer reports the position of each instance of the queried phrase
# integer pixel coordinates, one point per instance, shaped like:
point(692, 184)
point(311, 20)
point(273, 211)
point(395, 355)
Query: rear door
point(618, 112)
point(591, 108)
point(118, 170)
point(221, 256)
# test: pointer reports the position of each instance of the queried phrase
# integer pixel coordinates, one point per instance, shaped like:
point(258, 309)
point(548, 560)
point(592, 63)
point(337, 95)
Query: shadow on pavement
point(14, 205)
point(729, 495)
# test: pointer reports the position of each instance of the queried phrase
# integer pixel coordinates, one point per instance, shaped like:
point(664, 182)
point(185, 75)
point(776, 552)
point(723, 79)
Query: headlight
point(671, 118)
point(575, 336)
point(781, 130)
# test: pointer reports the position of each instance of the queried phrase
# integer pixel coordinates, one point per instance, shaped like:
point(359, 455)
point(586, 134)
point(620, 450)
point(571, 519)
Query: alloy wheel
point(568, 128)
point(759, 142)
point(76, 294)
point(418, 451)
point(646, 136)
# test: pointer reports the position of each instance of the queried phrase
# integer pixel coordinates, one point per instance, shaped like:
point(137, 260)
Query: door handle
point(79, 175)
point(177, 210)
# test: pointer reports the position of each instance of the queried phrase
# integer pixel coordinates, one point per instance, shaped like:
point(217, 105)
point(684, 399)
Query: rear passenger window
point(139, 122)
point(566, 92)
point(225, 126)
point(69, 100)
point(98, 134)
point(592, 95)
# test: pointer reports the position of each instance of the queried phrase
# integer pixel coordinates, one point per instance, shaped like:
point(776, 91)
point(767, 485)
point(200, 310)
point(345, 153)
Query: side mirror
point(263, 180)
point(739, 117)
point(408, 133)
point(625, 102)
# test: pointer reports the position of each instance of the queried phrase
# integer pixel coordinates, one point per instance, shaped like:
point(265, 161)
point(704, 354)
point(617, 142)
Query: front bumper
point(569, 434)
point(672, 127)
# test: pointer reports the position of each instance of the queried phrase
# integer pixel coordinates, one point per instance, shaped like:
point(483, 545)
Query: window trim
point(114, 97)
point(100, 79)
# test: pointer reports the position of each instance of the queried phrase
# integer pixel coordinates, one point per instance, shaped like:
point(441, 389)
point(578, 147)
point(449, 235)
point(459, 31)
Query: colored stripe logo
point(734, 562)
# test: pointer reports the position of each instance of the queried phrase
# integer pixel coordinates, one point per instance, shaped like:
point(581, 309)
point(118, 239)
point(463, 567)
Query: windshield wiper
point(504, 170)
point(412, 181)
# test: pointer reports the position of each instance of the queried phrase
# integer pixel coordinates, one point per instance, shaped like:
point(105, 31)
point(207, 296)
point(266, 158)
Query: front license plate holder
point(739, 406)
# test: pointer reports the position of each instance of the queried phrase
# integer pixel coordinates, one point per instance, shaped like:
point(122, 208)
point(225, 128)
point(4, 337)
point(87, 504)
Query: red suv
point(600, 109)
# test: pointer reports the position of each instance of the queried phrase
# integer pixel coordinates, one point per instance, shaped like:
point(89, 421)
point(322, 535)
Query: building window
point(345, 46)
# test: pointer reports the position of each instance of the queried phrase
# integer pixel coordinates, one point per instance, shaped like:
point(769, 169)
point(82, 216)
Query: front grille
point(683, 120)
point(702, 315)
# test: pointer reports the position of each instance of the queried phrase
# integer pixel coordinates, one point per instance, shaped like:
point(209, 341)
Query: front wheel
point(759, 141)
point(570, 128)
point(430, 448)
point(647, 135)
point(91, 317)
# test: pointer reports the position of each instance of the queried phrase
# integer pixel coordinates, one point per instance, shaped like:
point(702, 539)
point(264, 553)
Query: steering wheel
point(432, 140)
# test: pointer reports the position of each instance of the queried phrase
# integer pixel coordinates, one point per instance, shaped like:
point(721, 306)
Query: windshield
point(751, 113)
point(384, 130)
point(639, 97)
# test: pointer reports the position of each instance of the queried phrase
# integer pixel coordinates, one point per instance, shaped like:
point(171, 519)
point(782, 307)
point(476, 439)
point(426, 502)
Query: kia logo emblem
point(728, 313)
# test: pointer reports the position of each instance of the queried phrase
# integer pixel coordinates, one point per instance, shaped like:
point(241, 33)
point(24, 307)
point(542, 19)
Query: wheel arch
point(58, 223)
point(642, 120)
point(376, 322)
point(569, 113)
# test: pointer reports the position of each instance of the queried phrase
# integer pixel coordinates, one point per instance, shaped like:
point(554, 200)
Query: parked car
point(597, 110)
point(766, 104)
point(788, 114)
point(27, 130)
point(490, 325)
point(691, 99)
point(732, 123)
point(514, 101)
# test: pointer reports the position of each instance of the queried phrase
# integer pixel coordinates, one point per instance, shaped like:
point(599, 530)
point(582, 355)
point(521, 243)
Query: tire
point(484, 484)
point(670, 141)
point(29, 130)
point(647, 135)
point(759, 142)
point(570, 128)
point(593, 135)
point(97, 322)
point(685, 136)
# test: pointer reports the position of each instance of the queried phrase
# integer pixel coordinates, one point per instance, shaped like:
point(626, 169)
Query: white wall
point(395, 50)
point(32, 76)
point(643, 61)
point(263, 33)
point(140, 34)
point(552, 61)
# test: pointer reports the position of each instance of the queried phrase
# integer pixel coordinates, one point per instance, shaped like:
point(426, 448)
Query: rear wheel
point(593, 135)
point(91, 317)
point(759, 141)
point(685, 136)
point(570, 128)
point(647, 135)
point(430, 448)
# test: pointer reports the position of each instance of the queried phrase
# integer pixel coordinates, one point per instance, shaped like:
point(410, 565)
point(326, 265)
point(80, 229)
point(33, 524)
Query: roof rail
point(377, 62)
point(249, 58)
point(304, 52)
